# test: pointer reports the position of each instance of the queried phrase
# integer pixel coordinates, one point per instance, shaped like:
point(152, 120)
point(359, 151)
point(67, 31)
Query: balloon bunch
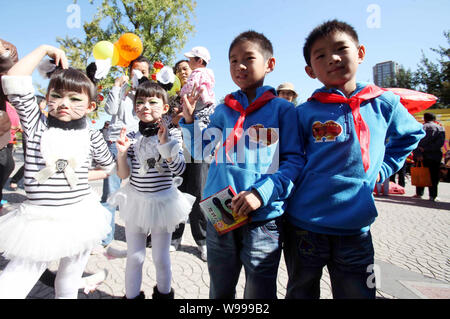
point(126, 49)
point(106, 54)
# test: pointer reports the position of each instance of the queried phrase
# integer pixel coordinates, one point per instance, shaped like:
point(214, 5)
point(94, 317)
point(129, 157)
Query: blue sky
point(395, 30)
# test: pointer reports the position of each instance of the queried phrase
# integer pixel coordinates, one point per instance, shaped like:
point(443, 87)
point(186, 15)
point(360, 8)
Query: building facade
point(383, 72)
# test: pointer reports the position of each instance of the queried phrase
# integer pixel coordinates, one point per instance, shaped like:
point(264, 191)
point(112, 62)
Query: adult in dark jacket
point(429, 151)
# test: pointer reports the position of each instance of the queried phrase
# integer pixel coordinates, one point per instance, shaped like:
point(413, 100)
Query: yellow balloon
point(104, 50)
point(176, 86)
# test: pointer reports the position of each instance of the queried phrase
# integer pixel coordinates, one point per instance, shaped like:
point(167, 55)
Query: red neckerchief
point(362, 130)
point(238, 129)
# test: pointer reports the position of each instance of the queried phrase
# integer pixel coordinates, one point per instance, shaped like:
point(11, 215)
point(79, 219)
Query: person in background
point(287, 91)
point(430, 153)
point(9, 121)
point(194, 179)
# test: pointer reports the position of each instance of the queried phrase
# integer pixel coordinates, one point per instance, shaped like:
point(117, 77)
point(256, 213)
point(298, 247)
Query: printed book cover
point(217, 208)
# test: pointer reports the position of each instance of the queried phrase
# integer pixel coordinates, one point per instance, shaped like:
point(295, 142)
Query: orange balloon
point(122, 61)
point(130, 46)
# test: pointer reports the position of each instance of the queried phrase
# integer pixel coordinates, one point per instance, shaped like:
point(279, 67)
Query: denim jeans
point(256, 246)
point(349, 260)
point(110, 185)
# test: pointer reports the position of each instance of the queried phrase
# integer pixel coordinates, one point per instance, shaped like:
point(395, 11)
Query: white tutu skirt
point(162, 211)
point(47, 233)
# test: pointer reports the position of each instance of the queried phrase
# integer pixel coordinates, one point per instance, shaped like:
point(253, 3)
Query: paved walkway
point(411, 240)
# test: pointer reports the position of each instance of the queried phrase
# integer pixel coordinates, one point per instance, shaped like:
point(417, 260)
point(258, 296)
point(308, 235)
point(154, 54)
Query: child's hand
point(189, 102)
point(121, 81)
point(123, 142)
point(245, 202)
point(163, 133)
point(58, 55)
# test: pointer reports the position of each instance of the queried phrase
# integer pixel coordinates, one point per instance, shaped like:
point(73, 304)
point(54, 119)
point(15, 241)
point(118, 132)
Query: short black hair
point(322, 31)
point(149, 89)
point(264, 44)
point(428, 117)
point(73, 80)
point(140, 58)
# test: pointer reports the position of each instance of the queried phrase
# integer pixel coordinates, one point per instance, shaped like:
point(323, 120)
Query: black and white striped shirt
point(55, 191)
point(153, 180)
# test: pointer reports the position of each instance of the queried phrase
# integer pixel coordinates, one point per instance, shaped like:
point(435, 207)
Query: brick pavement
point(411, 241)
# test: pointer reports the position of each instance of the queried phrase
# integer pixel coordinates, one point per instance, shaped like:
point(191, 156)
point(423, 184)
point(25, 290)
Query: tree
point(162, 25)
point(434, 78)
point(403, 79)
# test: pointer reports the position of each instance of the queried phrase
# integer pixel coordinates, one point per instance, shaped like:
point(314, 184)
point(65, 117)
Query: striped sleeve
point(100, 151)
point(20, 92)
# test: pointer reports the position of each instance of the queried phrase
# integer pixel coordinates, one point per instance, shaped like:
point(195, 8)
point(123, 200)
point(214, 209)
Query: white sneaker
point(90, 283)
point(202, 250)
point(175, 244)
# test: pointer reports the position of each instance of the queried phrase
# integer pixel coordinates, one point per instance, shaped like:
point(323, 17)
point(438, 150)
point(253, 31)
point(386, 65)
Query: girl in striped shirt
point(61, 220)
point(151, 201)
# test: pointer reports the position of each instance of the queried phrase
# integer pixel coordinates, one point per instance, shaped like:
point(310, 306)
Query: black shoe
point(160, 296)
point(140, 296)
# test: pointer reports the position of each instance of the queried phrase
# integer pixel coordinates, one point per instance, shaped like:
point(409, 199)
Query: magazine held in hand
point(217, 208)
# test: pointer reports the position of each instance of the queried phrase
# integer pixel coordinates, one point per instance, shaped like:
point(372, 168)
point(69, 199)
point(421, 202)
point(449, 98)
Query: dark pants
point(401, 176)
point(349, 259)
point(6, 166)
point(434, 167)
point(194, 180)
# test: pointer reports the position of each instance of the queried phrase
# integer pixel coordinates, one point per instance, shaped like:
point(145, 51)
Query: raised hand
point(123, 142)
point(121, 80)
point(189, 102)
point(58, 55)
point(163, 133)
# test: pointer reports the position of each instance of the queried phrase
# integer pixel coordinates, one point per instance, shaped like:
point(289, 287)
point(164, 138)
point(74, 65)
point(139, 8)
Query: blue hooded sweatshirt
point(271, 168)
point(334, 194)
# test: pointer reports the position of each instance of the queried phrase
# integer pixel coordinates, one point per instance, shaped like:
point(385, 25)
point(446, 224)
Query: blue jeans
point(110, 185)
point(348, 259)
point(256, 246)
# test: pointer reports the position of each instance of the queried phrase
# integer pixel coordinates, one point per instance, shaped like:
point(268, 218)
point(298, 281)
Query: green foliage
point(434, 78)
point(430, 77)
point(162, 25)
point(403, 79)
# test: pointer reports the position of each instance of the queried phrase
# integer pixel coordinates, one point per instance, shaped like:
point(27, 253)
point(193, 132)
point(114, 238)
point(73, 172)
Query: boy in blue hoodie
point(343, 128)
point(256, 152)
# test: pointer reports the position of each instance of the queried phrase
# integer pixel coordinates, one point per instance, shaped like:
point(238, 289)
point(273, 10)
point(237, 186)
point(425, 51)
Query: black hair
point(324, 30)
point(72, 80)
point(196, 58)
point(149, 89)
point(140, 58)
point(428, 117)
point(260, 39)
point(39, 99)
point(175, 68)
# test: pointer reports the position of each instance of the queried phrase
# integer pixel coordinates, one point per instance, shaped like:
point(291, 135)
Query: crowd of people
point(309, 191)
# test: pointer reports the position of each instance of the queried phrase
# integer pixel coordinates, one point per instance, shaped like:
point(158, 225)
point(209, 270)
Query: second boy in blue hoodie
point(258, 156)
point(343, 129)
